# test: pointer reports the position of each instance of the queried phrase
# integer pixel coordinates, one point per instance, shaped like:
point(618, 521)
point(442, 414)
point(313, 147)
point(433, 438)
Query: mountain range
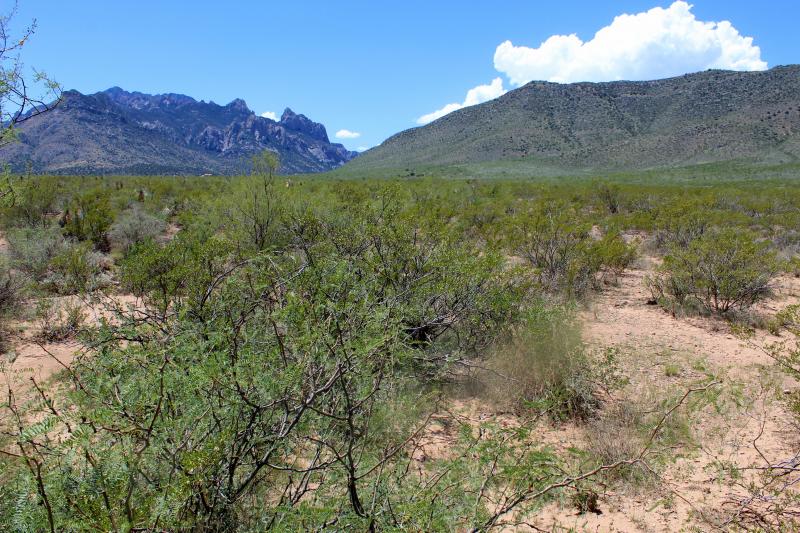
point(120, 132)
point(696, 118)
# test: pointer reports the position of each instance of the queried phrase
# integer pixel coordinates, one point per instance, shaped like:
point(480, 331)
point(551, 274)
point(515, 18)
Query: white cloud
point(362, 148)
point(347, 134)
point(654, 44)
point(478, 95)
point(271, 115)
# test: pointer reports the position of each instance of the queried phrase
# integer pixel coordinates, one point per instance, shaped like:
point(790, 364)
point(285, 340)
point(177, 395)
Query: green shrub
point(77, 269)
point(10, 287)
point(679, 225)
point(558, 247)
point(614, 254)
point(133, 227)
point(723, 270)
point(88, 218)
point(32, 250)
point(34, 203)
point(59, 322)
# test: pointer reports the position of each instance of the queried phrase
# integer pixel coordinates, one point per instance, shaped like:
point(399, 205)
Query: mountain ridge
point(121, 132)
point(695, 118)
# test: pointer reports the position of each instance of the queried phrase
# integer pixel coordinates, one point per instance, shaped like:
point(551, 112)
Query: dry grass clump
point(59, 322)
point(543, 368)
point(626, 428)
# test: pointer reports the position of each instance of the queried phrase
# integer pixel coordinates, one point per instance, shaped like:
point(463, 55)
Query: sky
point(369, 69)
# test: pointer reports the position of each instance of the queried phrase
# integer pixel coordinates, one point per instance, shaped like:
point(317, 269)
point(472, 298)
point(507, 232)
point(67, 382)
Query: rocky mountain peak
point(304, 125)
point(239, 105)
point(121, 132)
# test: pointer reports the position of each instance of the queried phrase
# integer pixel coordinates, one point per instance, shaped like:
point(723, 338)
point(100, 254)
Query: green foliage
point(134, 226)
point(278, 372)
point(34, 203)
point(290, 346)
point(58, 322)
point(76, 269)
point(88, 218)
point(614, 254)
point(723, 270)
point(33, 250)
point(10, 287)
point(266, 163)
point(556, 246)
point(176, 275)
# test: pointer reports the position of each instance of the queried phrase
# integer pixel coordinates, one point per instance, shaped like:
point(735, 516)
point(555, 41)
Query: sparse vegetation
point(291, 347)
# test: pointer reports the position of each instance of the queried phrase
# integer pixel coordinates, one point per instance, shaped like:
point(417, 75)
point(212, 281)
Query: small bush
point(616, 436)
point(75, 270)
point(58, 323)
point(623, 430)
point(544, 367)
point(614, 254)
point(32, 250)
point(134, 226)
point(557, 247)
point(10, 287)
point(722, 270)
point(89, 218)
point(34, 203)
point(680, 225)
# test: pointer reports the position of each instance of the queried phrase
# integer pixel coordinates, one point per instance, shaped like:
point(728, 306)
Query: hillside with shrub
point(696, 118)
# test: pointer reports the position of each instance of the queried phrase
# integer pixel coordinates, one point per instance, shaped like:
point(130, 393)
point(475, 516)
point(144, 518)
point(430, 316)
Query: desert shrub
point(58, 322)
point(609, 196)
point(679, 225)
point(627, 427)
point(722, 270)
point(543, 367)
point(614, 254)
point(32, 250)
point(558, 247)
point(254, 214)
point(34, 203)
point(88, 218)
point(175, 275)
point(616, 436)
point(308, 368)
point(134, 226)
point(76, 269)
point(10, 287)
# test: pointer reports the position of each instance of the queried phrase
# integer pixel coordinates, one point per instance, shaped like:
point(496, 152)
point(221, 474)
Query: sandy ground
point(29, 357)
point(694, 494)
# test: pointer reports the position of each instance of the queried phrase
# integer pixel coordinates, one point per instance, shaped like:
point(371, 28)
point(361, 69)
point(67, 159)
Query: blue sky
point(375, 67)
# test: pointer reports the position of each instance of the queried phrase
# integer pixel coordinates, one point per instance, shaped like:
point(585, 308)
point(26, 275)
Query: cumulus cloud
point(347, 134)
point(654, 44)
point(270, 115)
point(362, 148)
point(477, 95)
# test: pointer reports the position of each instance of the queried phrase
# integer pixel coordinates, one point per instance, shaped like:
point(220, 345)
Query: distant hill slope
point(119, 132)
point(696, 118)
